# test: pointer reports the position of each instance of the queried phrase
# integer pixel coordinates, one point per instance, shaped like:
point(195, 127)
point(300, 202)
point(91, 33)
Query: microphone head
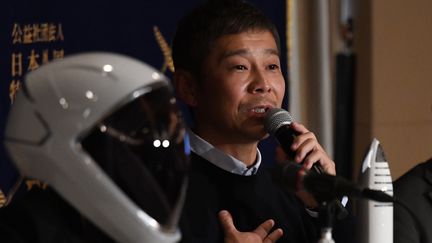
point(275, 118)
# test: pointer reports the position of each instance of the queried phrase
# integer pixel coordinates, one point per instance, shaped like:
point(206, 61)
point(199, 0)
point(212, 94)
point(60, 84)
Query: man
point(226, 55)
point(414, 190)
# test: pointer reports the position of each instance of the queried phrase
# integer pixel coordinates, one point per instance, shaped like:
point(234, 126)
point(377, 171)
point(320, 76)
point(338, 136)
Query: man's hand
point(260, 235)
point(309, 151)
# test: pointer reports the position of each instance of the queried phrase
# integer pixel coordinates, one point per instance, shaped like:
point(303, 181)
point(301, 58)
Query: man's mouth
point(259, 110)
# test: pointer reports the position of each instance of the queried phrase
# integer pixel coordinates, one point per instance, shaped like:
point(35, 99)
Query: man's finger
point(227, 223)
point(299, 127)
point(263, 229)
point(274, 236)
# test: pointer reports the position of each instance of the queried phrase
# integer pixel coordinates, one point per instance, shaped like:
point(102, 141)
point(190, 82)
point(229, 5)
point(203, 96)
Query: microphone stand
point(326, 216)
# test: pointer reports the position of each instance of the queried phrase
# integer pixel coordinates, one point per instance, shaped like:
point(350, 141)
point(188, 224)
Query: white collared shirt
point(221, 159)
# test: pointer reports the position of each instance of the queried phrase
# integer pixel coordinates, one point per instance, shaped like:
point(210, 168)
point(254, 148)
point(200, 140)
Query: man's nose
point(260, 83)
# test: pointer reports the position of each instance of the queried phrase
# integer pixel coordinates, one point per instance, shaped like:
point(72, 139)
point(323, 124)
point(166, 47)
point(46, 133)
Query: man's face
point(241, 78)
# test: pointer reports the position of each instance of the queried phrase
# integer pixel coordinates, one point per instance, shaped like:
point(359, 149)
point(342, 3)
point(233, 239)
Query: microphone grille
point(275, 118)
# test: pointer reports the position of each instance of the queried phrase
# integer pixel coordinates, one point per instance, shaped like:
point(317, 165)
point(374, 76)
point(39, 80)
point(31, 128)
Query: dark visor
point(144, 149)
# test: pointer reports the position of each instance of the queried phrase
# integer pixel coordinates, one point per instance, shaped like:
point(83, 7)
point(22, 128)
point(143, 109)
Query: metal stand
point(326, 236)
point(327, 214)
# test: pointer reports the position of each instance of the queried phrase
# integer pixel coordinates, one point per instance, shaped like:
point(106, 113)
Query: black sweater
point(250, 199)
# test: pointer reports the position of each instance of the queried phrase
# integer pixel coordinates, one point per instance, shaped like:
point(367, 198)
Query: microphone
point(325, 187)
point(277, 122)
point(295, 177)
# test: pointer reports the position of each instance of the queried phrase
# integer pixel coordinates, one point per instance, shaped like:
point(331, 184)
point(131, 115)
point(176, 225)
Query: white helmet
point(104, 131)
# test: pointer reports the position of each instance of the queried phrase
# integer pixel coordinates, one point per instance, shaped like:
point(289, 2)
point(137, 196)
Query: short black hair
point(197, 31)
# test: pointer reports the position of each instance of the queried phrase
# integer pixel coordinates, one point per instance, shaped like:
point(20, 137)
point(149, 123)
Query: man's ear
point(185, 85)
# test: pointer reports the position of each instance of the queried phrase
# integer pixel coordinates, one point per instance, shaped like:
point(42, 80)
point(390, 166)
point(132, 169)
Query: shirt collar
point(221, 159)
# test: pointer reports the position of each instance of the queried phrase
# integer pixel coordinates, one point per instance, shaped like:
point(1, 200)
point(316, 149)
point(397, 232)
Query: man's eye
point(240, 67)
point(273, 67)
